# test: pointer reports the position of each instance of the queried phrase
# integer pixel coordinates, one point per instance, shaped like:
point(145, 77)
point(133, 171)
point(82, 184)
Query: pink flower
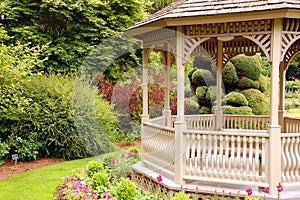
point(279, 188)
point(249, 191)
point(113, 160)
point(76, 177)
point(94, 195)
point(65, 186)
point(84, 187)
point(131, 154)
point(76, 184)
point(86, 195)
point(265, 190)
point(68, 179)
point(122, 155)
point(159, 178)
point(107, 195)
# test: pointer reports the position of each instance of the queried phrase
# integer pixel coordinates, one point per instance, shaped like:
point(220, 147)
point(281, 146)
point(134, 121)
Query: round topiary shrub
point(190, 73)
point(235, 99)
point(243, 110)
point(257, 101)
point(211, 94)
point(126, 190)
point(100, 179)
point(202, 77)
point(229, 75)
point(247, 66)
point(201, 93)
point(93, 167)
point(204, 110)
point(247, 83)
point(263, 83)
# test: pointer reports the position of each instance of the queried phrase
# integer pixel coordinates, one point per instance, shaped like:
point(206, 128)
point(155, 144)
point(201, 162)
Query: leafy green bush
point(4, 150)
point(126, 190)
point(247, 83)
point(204, 110)
point(100, 179)
point(263, 83)
point(229, 75)
point(247, 66)
point(201, 93)
point(235, 99)
point(257, 101)
point(181, 196)
point(93, 167)
point(202, 77)
point(243, 110)
point(190, 73)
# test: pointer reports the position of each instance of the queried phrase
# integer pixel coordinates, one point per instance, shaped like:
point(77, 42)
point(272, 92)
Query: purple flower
point(113, 160)
point(65, 186)
point(76, 178)
point(159, 178)
point(249, 191)
point(86, 195)
point(76, 184)
point(68, 179)
point(279, 188)
point(84, 187)
point(131, 153)
point(265, 190)
point(94, 195)
point(122, 155)
point(107, 195)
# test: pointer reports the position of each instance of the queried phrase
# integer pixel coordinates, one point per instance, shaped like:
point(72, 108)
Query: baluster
point(204, 155)
point(216, 162)
point(209, 155)
point(263, 159)
point(284, 159)
point(293, 158)
point(187, 155)
point(221, 158)
point(244, 161)
point(193, 154)
point(251, 158)
point(297, 160)
point(289, 158)
point(238, 158)
point(226, 158)
point(257, 152)
point(199, 160)
point(232, 158)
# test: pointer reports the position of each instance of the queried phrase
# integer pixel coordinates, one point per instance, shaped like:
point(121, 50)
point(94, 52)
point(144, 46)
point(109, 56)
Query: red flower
point(279, 188)
point(159, 178)
point(249, 191)
point(265, 190)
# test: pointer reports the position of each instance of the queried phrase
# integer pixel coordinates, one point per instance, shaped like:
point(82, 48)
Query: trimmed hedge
point(247, 66)
point(257, 101)
point(243, 110)
point(263, 83)
point(202, 77)
point(204, 110)
point(235, 99)
point(201, 93)
point(247, 83)
point(229, 75)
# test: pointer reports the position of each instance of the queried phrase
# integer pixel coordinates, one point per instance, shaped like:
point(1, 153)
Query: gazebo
point(208, 151)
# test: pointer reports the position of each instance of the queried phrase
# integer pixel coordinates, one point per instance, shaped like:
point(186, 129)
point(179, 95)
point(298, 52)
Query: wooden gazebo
point(202, 150)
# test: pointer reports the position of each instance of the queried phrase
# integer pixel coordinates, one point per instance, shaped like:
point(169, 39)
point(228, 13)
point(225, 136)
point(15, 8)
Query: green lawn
point(39, 184)
point(295, 112)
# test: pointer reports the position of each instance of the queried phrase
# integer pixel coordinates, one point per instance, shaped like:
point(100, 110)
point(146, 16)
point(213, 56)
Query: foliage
point(263, 83)
point(229, 75)
point(201, 93)
point(126, 190)
point(100, 180)
point(235, 99)
point(257, 101)
point(204, 110)
point(242, 110)
point(202, 77)
point(72, 28)
point(265, 67)
point(181, 196)
point(4, 150)
point(247, 66)
point(247, 83)
point(203, 62)
point(93, 167)
point(293, 71)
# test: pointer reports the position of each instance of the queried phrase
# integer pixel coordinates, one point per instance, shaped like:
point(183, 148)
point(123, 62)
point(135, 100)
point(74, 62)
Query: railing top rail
point(284, 135)
point(158, 126)
point(205, 115)
point(292, 118)
point(252, 116)
point(157, 118)
point(231, 133)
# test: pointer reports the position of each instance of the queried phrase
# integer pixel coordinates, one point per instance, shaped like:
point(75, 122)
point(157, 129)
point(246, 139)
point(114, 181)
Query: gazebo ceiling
point(188, 12)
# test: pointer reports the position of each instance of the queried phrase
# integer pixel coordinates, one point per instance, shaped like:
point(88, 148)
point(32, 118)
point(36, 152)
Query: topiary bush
point(93, 167)
point(202, 77)
point(229, 75)
point(247, 83)
point(243, 110)
point(204, 110)
point(258, 102)
point(263, 83)
point(247, 66)
point(201, 93)
point(126, 190)
point(235, 99)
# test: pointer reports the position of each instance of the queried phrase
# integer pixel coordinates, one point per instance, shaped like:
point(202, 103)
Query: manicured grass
point(39, 184)
point(295, 112)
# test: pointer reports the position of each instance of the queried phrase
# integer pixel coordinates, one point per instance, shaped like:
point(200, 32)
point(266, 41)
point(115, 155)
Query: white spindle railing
point(198, 122)
point(291, 125)
point(159, 121)
point(158, 145)
point(290, 153)
point(227, 157)
point(252, 122)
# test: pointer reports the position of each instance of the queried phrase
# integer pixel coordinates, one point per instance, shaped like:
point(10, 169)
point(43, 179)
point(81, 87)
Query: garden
point(66, 137)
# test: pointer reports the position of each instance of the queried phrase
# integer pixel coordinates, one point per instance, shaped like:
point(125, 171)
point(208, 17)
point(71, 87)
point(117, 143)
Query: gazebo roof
point(187, 9)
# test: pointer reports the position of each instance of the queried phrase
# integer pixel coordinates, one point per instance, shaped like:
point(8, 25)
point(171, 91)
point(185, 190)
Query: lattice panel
point(291, 25)
point(262, 43)
point(288, 39)
point(228, 28)
point(294, 48)
point(159, 36)
point(190, 44)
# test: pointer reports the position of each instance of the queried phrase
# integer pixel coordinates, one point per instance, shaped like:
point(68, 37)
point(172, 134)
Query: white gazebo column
point(281, 111)
point(180, 124)
point(145, 115)
point(274, 165)
point(167, 111)
point(218, 111)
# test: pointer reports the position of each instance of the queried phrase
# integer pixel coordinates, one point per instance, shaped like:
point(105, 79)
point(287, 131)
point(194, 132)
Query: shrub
point(93, 167)
point(181, 196)
point(4, 150)
point(247, 66)
point(190, 73)
point(202, 77)
point(204, 110)
point(126, 190)
point(235, 99)
point(229, 75)
point(134, 149)
point(257, 101)
point(247, 83)
point(263, 83)
point(191, 106)
point(100, 179)
point(201, 93)
point(243, 110)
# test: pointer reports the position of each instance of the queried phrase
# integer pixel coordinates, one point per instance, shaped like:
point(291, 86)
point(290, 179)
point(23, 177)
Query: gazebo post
point(281, 111)
point(274, 157)
point(180, 124)
point(219, 114)
point(167, 111)
point(145, 115)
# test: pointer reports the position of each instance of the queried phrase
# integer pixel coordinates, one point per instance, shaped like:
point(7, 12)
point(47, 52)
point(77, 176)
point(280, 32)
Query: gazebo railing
point(291, 125)
point(158, 145)
point(198, 122)
point(227, 157)
point(251, 122)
